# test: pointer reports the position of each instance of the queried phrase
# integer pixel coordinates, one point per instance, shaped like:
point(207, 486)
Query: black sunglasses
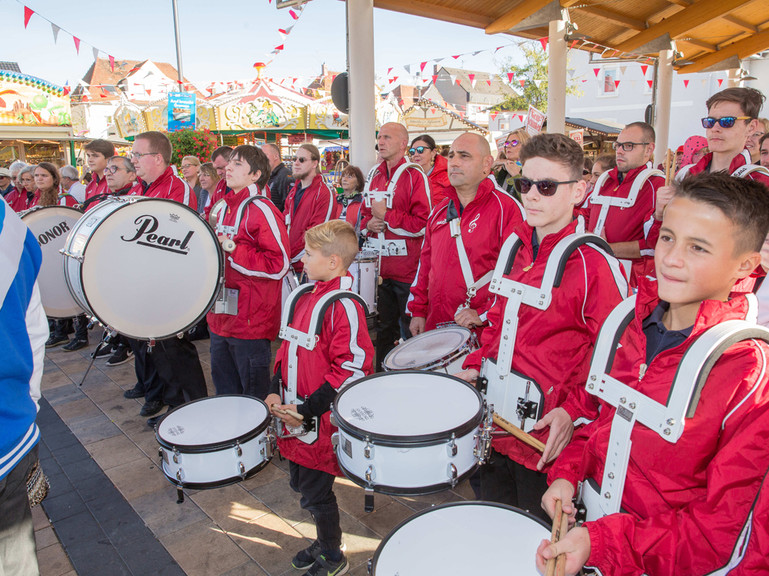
point(300, 159)
point(725, 122)
point(418, 150)
point(545, 187)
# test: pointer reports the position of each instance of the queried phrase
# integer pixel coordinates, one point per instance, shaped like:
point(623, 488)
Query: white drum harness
point(607, 202)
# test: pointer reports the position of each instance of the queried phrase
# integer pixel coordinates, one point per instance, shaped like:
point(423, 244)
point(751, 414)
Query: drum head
point(151, 269)
point(214, 421)
point(51, 225)
point(405, 406)
point(427, 348)
point(462, 538)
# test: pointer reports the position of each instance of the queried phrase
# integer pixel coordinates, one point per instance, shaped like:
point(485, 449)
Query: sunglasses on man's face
point(300, 159)
point(724, 122)
point(545, 187)
point(418, 150)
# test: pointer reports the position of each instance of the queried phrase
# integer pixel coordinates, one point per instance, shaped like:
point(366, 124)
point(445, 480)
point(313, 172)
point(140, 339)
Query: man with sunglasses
point(622, 202)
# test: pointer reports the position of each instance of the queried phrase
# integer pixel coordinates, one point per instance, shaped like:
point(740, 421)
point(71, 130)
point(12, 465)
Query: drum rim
point(483, 503)
point(444, 360)
point(403, 490)
point(39, 208)
point(128, 201)
point(412, 441)
point(213, 446)
point(215, 483)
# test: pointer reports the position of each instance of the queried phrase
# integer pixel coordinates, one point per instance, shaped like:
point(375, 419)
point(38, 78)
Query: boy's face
point(96, 161)
point(728, 140)
point(239, 175)
point(764, 158)
point(549, 214)
point(317, 266)
point(696, 257)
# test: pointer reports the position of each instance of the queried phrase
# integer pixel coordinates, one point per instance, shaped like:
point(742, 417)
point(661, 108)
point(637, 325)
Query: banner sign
point(534, 121)
point(181, 111)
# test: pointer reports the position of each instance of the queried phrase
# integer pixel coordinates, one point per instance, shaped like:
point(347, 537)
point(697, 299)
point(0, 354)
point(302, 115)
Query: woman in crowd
point(48, 184)
point(209, 178)
point(695, 148)
point(507, 166)
point(423, 152)
point(752, 142)
point(190, 172)
point(349, 202)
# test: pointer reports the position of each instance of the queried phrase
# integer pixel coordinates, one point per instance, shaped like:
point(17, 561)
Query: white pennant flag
point(623, 69)
point(571, 72)
point(407, 67)
point(95, 53)
point(453, 78)
point(55, 29)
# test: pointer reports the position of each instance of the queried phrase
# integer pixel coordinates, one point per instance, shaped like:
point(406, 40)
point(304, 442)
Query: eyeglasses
point(510, 144)
point(585, 172)
point(111, 169)
point(139, 155)
point(545, 187)
point(725, 122)
point(185, 166)
point(418, 150)
point(628, 146)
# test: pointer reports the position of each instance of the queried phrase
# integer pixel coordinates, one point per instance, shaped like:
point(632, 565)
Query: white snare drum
point(51, 226)
point(440, 350)
point(408, 432)
point(365, 273)
point(146, 267)
point(215, 441)
point(288, 285)
point(462, 538)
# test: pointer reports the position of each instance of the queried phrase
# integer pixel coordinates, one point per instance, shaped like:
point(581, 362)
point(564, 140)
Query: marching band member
point(350, 201)
point(423, 151)
point(342, 354)
point(395, 227)
point(120, 175)
point(151, 156)
point(462, 241)
point(685, 505)
point(550, 347)
point(247, 317)
point(12, 196)
point(27, 197)
point(219, 158)
point(96, 154)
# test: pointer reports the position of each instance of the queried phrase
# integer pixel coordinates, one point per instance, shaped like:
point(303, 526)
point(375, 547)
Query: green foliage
point(199, 143)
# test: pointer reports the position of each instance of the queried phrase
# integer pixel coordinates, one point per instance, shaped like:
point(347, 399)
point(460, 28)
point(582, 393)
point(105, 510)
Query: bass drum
point(149, 268)
point(51, 225)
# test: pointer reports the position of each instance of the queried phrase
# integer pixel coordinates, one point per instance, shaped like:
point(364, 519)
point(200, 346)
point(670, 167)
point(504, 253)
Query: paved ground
point(112, 512)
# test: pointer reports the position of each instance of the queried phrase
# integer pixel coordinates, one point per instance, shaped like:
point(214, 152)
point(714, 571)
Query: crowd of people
point(678, 252)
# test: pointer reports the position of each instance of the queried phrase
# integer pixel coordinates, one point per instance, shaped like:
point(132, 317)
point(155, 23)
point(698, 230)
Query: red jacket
point(439, 287)
point(344, 353)
point(438, 177)
point(753, 559)
point(632, 223)
point(315, 207)
point(684, 504)
point(554, 346)
point(135, 189)
point(25, 200)
point(406, 220)
point(13, 198)
point(255, 268)
point(221, 191)
point(96, 186)
point(349, 209)
point(171, 187)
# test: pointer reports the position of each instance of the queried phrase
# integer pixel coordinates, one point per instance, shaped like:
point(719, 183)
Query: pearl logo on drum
point(146, 235)
point(53, 233)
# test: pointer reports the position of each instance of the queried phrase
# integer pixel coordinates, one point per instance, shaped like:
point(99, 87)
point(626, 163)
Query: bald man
point(463, 238)
point(397, 205)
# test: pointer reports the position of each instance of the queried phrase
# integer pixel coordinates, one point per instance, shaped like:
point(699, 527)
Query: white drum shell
point(428, 351)
point(462, 538)
point(365, 273)
point(51, 225)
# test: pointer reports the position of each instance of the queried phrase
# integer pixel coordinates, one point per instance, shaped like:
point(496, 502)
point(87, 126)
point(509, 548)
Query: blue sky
point(222, 39)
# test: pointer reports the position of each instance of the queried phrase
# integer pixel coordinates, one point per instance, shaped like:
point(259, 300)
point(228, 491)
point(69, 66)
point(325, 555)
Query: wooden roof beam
point(428, 10)
point(514, 16)
point(740, 24)
point(683, 21)
point(682, 3)
point(614, 17)
point(736, 38)
point(699, 44)
point(741, 49)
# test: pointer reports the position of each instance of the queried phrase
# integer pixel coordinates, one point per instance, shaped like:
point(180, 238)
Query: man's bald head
point(393, 140)
point(473, 139)
point(470, 162)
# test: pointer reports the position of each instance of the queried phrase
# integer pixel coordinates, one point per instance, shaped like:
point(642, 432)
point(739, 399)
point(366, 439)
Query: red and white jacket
point(439, 179)
point(315, 207)
point(632, 223)
point(754, 557)
point(685, 505)
point(553, 347)
point(221, 191)
point(96, 186)
point(349, 209)
point(14, 198)
point(344, 354)
point(406, 220)
point(134, 189)
point(439, 287)
point(255, 268)
point(25, 200)
point(171, 187)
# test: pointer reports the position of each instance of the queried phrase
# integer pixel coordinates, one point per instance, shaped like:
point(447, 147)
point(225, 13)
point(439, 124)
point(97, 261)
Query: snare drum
point(215, 441)
point(365, 273)
point(51, 226)
point(147, 267)
point(440, 350)
point(408, 432)
point(462, 538)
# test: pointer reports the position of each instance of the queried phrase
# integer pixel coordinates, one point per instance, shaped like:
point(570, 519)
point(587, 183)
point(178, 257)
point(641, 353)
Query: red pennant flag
point(283, 31)
point(644, 69)
point(459, 82)
point(432, 110)
point(686, 83)
point(494, 115)
point(279, 48)
point(488, 82)
point(522, 81)
point(422, 66)
point(720, 81)
point(471, 77)
point(77, 43)
point(27, 15)
point(543, 42)
point(112, 63)
point(435, 78)
point(520, 117)
point(510, 76)
point(573, 43)
point(294, 15)
point(616, 83)
point(148, 91)
point(650, 83)
point(596, 71)
point(456, 57)
point(389, 70)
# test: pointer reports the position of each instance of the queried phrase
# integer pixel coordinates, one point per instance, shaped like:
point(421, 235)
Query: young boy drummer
point(689, 481)
point(550, 345)
point(339, 353)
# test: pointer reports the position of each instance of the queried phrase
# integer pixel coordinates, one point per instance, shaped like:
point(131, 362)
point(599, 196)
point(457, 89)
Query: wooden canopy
point(710, 34)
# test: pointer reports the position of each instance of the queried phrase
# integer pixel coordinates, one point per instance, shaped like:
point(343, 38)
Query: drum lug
point(242, 470)
point(176, 456)
point(238, 449)
point(452, 475)
point(452, 446)
point(332, 420)
point(335, 439)
point(268, 443)
point(179, 476)
point(369, 566)
point(71, 255)
point(368, 450)
point(370, 475)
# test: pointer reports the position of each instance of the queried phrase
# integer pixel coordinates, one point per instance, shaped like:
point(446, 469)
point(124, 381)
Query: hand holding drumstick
point(287, 412)
point(567, 552)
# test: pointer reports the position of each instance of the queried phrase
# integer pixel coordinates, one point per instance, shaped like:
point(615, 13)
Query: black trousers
point(391, 306)
point(318, 498)
point(507, 482)
point(240, 366)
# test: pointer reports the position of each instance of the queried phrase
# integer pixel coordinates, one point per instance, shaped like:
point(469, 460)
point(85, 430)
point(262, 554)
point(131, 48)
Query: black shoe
point(324, 567)
point(152, 422)
point(104, 351)
point(307, 557)
point(121, 356)
point(75, 344)
point(151, 408)
point(134, 392)
point(55, 340)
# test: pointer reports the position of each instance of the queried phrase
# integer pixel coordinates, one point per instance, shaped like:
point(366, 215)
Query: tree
point(198, 143)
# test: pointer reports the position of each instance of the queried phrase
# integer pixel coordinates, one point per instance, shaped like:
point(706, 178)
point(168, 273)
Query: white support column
point(556, 77)
point(664, 97)
point(733, 78)
point(360, 58)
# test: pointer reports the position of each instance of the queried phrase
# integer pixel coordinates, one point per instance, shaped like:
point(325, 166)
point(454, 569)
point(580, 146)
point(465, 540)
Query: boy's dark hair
point(256, 159)
point(224, 151)
point(647, 129)
point(743, 201)
point(750, 100)
point(607, 161)
point(556, 148)
point(102, 147)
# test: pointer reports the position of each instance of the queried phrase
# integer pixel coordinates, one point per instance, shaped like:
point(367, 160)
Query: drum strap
point(741, 172)
point(607, 202)
point(455, 227)
point(668, 419)
point(254, 194)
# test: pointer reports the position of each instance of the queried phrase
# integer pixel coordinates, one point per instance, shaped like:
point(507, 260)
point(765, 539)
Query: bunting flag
point(488, 82)
point(596, 71)
point(279, 48)
point(435, 78)
point(112, 63)
point(644, 68)
point(623, 69)
point(522, 81)
point(95, 54)
point(66, 88)
point(55, 29)
point(148, 91)
point(77, 43)
point(543, 42)
point(650, 83)
point(573, 44)
point(422, 66)
point(510, 76)
point(686, 83)
point(407, 67)
point(459, 81)
point(456, 57)
point(389, 70)
point(27, 15)
point(472, 79)
point(720, 81)
point(294, 15)
point(616, 83)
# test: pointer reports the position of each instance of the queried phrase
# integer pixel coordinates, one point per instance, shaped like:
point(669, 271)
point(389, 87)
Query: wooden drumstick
point(555, 535)
point(518, 433)
point(291, 413)
point(560, 564)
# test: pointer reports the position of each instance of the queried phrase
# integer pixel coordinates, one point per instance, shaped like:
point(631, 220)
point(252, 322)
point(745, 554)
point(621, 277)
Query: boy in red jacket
point(684, 506)
point(341, 352)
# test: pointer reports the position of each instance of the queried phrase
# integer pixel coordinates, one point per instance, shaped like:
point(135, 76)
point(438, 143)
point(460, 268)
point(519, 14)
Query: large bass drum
point(147, 267)
point(51, 225)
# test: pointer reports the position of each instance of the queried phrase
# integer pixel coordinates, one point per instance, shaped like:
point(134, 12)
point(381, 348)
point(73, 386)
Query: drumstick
point(287, 412)
point(560, 564)
point(555, 535)
point(518, 433)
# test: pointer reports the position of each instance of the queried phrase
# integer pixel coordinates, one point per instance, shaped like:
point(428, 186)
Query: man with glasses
point(219, 158)
point(96, 154)
point(151, 156)
point(622, 202)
